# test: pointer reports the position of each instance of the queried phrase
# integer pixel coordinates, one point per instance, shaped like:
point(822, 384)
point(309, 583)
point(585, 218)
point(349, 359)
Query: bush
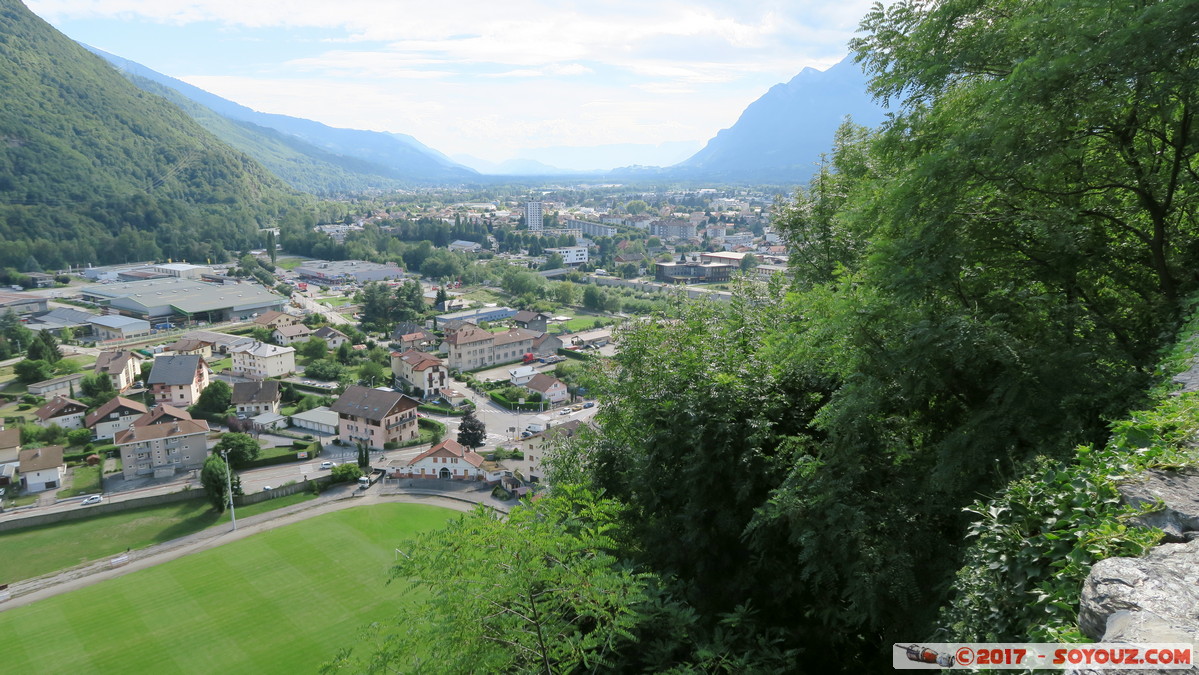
point(391, 445)
point(500, 493)
point(343, 473)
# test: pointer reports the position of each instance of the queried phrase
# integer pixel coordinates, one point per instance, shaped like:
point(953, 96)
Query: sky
point(488, 78)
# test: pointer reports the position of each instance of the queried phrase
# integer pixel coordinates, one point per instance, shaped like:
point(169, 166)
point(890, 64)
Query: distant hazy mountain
point(781, 136)
point(353, 157)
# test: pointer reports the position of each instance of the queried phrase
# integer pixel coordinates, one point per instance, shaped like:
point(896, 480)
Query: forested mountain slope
point(94, 170)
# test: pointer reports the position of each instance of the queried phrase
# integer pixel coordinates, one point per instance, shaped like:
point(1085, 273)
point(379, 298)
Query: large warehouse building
point(166, 299)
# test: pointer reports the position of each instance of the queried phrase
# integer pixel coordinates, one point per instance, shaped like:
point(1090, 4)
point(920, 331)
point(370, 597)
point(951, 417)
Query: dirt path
point(31, 590)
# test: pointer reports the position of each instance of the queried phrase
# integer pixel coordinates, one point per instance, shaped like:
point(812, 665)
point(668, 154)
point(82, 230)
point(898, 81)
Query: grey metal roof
point(179, 369)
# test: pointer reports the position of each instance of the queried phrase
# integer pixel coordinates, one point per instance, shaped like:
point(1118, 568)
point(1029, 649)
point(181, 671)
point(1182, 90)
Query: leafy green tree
point(29, 372)
point(373, 374)
point(541, 591)
point(345, 472)
point(593, 298)
point(240, 448)
point(78, 437)
point(553, 261)
point(313, 348)
point(364, 455)
point(472, 432)
point(636, 206)
point(97, 387)
point(216, 398)
point(345, 354)
point(214, 479)
point(323, 369)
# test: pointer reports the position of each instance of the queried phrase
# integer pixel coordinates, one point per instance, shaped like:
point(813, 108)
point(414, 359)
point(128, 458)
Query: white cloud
point(460, 77)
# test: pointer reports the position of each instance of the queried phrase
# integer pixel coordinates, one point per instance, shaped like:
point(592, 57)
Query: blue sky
point(483, 77)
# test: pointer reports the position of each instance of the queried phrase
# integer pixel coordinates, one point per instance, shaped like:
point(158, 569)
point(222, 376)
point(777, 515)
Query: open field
point(278, 602)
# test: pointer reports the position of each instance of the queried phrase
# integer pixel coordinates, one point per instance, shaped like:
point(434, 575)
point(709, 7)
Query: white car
point(328, 465)
point(94, 499)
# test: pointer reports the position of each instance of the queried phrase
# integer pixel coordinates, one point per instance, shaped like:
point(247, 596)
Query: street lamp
point(229, 484)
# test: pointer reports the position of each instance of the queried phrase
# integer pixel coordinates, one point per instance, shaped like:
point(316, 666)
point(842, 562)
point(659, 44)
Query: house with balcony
point(178, 380)
point(375, 417)
point(424, 373)
point(117, 415)
point(62, 411)
point(122, 367)
point(260, 360)
point(163, 450)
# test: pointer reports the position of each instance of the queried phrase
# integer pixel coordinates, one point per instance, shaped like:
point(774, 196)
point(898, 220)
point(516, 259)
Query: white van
point(364, 482)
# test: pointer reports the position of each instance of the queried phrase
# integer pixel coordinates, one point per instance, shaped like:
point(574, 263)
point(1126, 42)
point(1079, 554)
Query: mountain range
point(778, 138)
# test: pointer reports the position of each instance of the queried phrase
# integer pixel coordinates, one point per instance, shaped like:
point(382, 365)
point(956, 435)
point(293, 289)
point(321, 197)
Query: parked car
point(267, 488)
point(328, 465)
point(94, 499)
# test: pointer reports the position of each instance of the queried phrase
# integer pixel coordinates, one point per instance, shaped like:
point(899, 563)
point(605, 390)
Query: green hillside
point(92, 169)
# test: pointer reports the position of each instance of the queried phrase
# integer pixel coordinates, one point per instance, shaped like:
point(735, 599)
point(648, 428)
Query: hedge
point(502, 400)
point(572, 354)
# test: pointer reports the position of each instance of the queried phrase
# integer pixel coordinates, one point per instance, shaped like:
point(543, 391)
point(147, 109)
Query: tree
point(97, 386)
point(364, 455)
point(553, 261)
point(636, 207)
point(541, 591)
point(214, 478)
point(29, 372)
point(593, 298)
point(472, 433)
point(345, 472)
point(314, 348)
point(79, 436)
point(373, 373)
point(240, 448)
point(323, 369)
point(345, 354)
point(216, 398)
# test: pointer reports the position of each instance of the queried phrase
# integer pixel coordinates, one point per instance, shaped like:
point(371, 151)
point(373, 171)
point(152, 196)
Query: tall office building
point(533, 217)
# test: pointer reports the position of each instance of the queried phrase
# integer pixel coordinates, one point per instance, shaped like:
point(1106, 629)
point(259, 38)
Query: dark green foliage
point(364, 455)
point(346, 472)
point(241, 448)
point(97, 387)
point(322, 369)
point(215, 480)
point(95, 170)
point(215, 399)
point(29, 372)
point(472, 433)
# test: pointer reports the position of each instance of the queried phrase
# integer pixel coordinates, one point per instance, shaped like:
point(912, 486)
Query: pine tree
point(472, 433)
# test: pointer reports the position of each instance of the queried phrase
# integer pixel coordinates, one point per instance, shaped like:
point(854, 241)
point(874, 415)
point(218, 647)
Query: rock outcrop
point(1154, 598)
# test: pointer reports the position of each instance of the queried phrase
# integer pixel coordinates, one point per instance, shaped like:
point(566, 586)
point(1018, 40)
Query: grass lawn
point(35, 551)
point(85, 480)
point(268, 505)
point(282, 601)
point(221, 365)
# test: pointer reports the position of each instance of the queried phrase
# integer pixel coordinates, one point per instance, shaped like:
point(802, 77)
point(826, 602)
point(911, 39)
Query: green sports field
point(283, 601)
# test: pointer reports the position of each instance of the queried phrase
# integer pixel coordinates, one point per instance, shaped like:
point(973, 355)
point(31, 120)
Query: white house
point(261, 360)
point(521, 375)
point(571, 255)
point(551, 388)
point(65, 412)
point(115, 416)
point(291, 334)
point(423, 372)
point(448, 460)
point(42, 468)
point(256, 398)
